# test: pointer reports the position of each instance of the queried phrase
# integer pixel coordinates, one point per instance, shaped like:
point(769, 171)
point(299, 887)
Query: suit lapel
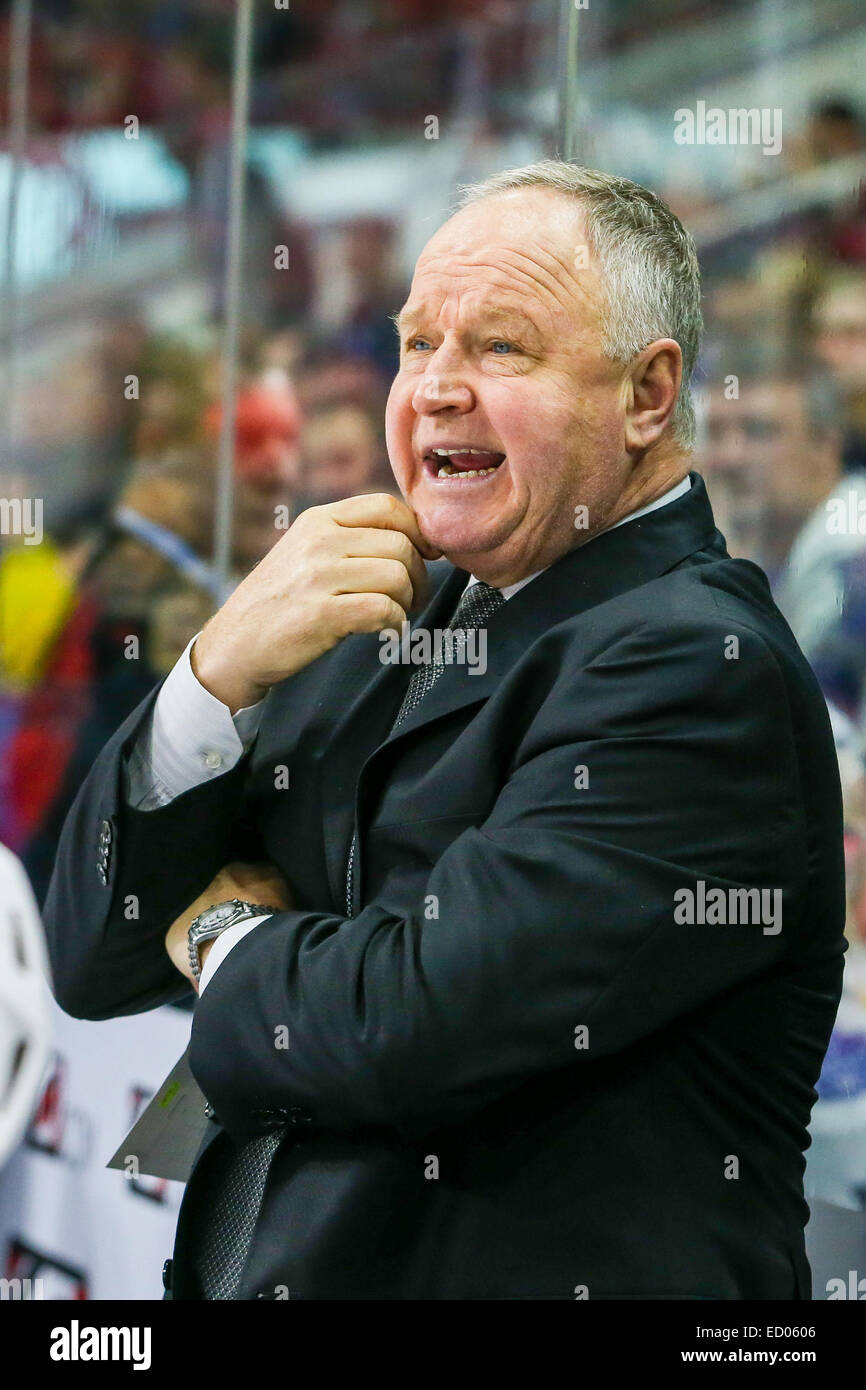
point(369, 711)
point(604, 567)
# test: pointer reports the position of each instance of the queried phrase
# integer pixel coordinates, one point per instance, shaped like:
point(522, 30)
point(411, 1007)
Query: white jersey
point(24, 1002)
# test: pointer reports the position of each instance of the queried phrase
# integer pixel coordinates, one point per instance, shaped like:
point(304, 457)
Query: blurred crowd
point(92, 617)
point(783, 449)
point(169, 62)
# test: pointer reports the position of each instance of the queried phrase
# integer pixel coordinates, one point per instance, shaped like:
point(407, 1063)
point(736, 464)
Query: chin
point(451, 526)
point(456, 538)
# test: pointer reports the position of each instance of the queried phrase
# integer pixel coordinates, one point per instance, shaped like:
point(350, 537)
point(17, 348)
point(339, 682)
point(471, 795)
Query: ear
point(653, 383)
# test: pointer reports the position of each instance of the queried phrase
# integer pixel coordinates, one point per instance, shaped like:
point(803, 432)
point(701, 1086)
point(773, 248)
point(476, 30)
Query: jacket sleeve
point(122, 876)
point(546, 936)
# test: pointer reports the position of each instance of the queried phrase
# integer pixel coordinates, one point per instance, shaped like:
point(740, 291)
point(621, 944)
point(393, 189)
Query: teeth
point(449, 471)
point(446, 453)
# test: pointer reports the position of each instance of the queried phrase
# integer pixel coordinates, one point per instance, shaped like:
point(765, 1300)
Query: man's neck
point(650, 481)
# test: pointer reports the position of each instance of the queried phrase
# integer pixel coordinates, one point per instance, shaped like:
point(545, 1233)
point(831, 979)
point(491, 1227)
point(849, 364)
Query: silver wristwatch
point(214, 920)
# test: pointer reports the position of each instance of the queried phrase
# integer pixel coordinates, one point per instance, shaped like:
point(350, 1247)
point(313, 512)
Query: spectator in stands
point(267, 465)
point(835, 130)
point(148, 588)
point(343, 453)
point(100, 662)
point(823, 593)
point(839, 318)
point(771, 452)
point(374, 293)
point(328, 374)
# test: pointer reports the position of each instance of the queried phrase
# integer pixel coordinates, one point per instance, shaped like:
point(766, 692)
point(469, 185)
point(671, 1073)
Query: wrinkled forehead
point(524, 250)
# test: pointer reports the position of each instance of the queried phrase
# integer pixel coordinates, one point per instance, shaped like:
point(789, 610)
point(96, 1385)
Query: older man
point(517, 973)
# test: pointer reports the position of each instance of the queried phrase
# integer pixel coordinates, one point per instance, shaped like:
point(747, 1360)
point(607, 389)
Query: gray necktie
point(478, 602)
point(238, 1182)
point(236, 1188)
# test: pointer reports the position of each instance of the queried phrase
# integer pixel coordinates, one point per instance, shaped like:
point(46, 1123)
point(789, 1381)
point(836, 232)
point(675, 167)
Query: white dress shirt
point(191, 737)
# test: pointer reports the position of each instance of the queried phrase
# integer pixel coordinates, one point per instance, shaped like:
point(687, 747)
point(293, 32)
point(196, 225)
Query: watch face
point(217, 915)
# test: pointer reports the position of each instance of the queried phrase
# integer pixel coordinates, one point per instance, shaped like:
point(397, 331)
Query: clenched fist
point(350, 566)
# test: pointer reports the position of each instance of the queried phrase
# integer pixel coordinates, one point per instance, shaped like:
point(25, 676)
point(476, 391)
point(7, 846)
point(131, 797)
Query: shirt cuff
point(191, 738)
point(223, 944)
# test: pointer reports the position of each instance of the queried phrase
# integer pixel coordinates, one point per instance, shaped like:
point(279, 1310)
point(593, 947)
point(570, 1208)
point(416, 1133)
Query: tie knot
point(477, 603)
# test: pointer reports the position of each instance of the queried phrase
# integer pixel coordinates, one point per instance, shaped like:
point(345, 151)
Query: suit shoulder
point(696, 608)
point(686, 607)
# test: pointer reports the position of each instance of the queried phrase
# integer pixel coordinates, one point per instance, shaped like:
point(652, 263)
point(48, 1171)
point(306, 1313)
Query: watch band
point(216, 919)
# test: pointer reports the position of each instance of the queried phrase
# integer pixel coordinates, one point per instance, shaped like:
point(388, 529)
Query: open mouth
point(462, 463)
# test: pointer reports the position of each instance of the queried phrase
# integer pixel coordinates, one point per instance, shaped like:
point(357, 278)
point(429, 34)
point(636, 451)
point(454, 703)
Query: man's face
point(841, 336)
point(765, 467)
point(267, 476)
point(759, 447)
point(501, 351)
point(339, 453)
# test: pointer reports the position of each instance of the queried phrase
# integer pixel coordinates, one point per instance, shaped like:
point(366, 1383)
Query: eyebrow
point(506, 318)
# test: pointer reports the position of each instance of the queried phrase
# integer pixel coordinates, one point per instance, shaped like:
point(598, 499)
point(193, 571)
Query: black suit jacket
point(512, 1073)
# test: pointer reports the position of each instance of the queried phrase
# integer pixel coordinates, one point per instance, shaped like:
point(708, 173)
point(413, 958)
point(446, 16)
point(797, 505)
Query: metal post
point(241, 66)
point(17, 99)
point(568, 79)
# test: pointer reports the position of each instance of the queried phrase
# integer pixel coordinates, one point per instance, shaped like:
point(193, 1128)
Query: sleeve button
point(298, 1116)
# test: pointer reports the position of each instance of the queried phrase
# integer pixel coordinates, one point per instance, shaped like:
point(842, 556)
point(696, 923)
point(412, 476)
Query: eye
point(501, 343)
point(413, 342)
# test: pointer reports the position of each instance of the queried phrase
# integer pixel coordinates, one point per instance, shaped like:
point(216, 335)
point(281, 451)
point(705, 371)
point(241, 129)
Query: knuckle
point(380, 608)
point(325, 611)
point(406, 550)
point(396, 573)
point(303, 523)
point(389, 503)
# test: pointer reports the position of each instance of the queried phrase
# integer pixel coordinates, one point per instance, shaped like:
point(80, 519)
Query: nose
point(443, 386)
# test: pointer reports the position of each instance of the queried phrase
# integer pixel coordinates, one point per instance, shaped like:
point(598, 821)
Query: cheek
point(398, 423)
point(524, 416)
point(553, 429)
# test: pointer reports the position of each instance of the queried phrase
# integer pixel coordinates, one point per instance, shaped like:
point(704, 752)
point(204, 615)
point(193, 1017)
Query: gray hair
point(648, 261)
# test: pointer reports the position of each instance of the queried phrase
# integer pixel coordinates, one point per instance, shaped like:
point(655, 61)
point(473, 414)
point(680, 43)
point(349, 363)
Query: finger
point(369, 576)
point(368, 612)
point(380, 509)
point(393, 545)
